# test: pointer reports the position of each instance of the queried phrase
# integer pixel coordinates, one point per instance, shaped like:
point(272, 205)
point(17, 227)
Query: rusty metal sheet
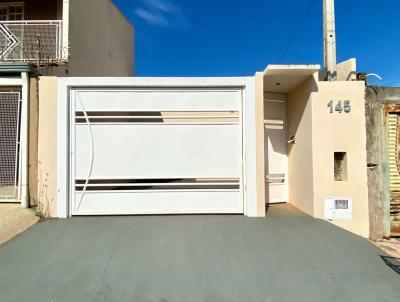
point(392, 120)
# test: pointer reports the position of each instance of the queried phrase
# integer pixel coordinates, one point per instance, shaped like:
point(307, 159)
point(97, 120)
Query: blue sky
point(234, 38)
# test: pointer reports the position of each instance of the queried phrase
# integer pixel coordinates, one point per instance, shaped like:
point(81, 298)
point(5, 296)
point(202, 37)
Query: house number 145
point(340, 106)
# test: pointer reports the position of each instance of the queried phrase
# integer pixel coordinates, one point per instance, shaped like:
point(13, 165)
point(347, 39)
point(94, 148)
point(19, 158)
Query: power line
point(303, 21)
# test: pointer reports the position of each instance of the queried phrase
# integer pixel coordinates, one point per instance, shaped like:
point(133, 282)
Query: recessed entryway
point(276, 147)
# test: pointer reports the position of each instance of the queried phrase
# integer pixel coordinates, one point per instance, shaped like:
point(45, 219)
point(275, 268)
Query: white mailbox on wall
point(338, 208)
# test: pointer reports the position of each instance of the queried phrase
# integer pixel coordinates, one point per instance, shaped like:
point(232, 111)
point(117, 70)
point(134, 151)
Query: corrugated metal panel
point(393, 151)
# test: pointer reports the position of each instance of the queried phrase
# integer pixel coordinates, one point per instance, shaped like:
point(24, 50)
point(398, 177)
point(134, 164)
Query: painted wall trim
point(24, 145)
point(260, 144)
point(11, 81)
point(249, 126)
point(65, 34)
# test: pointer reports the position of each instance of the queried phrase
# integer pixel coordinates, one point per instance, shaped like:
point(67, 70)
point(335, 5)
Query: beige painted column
point(260, 181)
point(47, 146)
point(33, 140)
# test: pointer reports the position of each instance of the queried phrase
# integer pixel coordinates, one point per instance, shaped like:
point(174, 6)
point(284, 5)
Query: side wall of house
point(341, 132)
point(101, 40)
point(301, 191)
point(47, 146)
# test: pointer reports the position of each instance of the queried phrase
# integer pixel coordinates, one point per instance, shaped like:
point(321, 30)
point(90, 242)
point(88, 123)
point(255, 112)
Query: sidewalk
point(391, 247)
point(14, 220)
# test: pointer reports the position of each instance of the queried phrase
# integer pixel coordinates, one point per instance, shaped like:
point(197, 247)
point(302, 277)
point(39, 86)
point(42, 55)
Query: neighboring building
point(38, 39)
point(383, 141)
point(67, 37)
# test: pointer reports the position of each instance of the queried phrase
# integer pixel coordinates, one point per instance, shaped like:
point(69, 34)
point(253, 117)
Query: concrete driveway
point(286, 257)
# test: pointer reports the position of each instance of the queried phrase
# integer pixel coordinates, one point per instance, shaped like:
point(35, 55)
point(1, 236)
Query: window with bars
point(12, 12)
point(9, 145)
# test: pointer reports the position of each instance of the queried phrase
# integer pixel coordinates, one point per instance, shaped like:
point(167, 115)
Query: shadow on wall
point(275, 137)
point(275, 122)
point(392, 262)
point(298, 100)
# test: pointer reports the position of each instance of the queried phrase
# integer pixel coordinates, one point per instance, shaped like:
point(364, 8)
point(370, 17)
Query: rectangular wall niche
point(340, 166)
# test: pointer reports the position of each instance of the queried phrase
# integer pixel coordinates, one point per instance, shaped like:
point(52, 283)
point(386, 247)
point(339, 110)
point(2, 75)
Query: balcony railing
point(31, 41)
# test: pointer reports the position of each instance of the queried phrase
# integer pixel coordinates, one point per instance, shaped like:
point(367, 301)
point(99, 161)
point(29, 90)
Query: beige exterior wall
point(301, 174)
point(347, 70)
point(318, 134)
point(340, 132)
point(47, 146)
point(260, 181)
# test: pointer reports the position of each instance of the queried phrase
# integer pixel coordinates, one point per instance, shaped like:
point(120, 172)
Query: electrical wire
point(303, 21)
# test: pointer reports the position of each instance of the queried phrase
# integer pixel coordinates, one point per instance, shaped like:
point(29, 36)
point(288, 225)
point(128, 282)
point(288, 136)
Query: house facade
point(206, 145)
point(171, 145)
point(49, 38)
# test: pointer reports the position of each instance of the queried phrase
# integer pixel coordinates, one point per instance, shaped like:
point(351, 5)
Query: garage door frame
point(246, 84)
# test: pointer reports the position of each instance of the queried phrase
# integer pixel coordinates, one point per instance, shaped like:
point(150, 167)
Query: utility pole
point(329, 40)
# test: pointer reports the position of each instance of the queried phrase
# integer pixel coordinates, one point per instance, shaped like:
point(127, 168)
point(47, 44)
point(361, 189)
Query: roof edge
point(14, 67)
point(311, 67)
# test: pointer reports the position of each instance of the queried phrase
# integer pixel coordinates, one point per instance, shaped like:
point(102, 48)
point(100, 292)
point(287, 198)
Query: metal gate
point(156, 151)
point(276, 156)
point(10, 103)
point(394, 171)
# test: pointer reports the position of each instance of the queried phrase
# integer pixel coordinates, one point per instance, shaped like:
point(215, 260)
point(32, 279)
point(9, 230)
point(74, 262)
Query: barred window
point(13, 12)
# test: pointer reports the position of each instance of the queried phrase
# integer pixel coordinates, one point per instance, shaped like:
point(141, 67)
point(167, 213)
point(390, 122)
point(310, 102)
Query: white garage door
point(156, 151)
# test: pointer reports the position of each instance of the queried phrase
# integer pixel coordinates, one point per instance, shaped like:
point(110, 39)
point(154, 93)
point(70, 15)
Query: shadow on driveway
point(392, 262)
